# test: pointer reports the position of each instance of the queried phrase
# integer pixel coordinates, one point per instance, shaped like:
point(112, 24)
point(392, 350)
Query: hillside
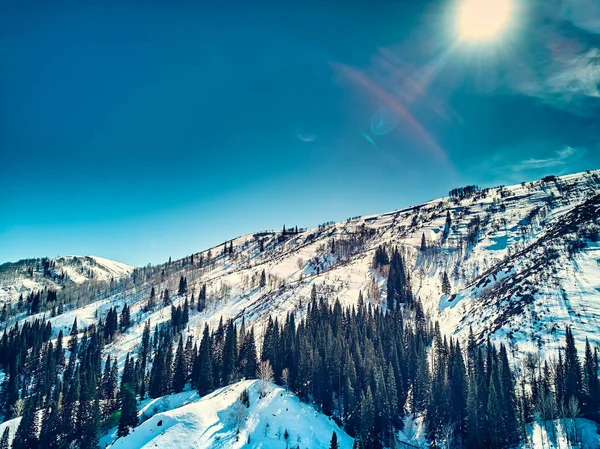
point(219, 420)
point(517, 264)
point(522, 262)
point(30, 275)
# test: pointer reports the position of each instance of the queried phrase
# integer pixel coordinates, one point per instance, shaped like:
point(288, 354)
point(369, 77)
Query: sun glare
point(483, 19)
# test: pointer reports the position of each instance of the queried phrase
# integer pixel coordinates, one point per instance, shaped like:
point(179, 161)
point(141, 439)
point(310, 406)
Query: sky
point(140, 131)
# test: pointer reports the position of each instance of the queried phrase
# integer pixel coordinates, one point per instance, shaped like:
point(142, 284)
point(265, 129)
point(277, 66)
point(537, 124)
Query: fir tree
point(229, 354)
point(128, 416)
point(202, 298)
point(334, 441)
point(5, 437)
point(180, 374)
point(204, 383)
point(182, 285)
point(445, 284)
point(263, 279)
point(591, 385)
point(572, 369)
point(27, 433)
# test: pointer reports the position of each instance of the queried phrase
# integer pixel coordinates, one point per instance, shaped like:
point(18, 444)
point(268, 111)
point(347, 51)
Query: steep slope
point(220, 420)
point(29, 275)
point(522, 262)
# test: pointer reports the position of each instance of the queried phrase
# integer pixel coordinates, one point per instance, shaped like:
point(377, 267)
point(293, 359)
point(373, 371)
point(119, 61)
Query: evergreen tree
point(591, 385)
point(494, 422)
point(334, 441)
point(182, 285)
point(27, 433)
point(180, 374)
point(572, 369)
point(128, 416)
point(202, 298)
point(157, 383)
point(445, 284)
point(91, 427)
point(398, 287)
point(263, 279)
point(204, 383)
point(5, 437)
point(229, 354)
point(151, 300)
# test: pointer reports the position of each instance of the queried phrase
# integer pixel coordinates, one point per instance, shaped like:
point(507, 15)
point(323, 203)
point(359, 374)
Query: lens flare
point(483, 19)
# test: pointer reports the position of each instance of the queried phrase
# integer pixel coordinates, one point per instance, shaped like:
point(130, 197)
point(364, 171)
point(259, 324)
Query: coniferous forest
point(368, 368)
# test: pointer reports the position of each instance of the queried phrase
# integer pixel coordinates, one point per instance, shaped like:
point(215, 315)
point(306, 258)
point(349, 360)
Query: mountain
point(513, 264)
point(30, 275)
point(521, 261)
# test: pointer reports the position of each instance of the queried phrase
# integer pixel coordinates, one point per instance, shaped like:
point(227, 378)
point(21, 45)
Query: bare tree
point(447, 435)
point(285, 378)
point(265, 375)
point(573, 411)
point(240, 413)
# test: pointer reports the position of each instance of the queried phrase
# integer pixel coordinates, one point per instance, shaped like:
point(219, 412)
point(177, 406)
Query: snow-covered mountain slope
point(220, 420)
point(29, 275)
point(522, 261)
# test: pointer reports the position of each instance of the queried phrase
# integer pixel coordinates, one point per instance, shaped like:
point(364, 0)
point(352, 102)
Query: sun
point(483, 19)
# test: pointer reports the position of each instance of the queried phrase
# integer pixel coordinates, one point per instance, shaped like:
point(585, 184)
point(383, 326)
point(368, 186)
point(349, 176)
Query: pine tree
point(128, 416)
point(367, 415)
point(202, 298)
point(152, 299)
point(263, 279)
point(27, 433)
point(156, 385)
point(423, 243)
point(572, 369)
point(89, 437)
point(334, 441)
point(445, 284)
point(168, 376)
point(229, 354)
point(590, 382)
point(204, 383)
point(180, 374)
point(398, 286)
point(5, 437)
point(182, 285)
point(494, 412)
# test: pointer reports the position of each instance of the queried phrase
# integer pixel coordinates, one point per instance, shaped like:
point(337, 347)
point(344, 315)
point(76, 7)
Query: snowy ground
point(562, 434)
point(219, 421)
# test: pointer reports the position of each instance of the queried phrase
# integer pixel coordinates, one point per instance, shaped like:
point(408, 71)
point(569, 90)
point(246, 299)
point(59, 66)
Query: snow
point(212, 422)
point(13, 425)
point(487, 295)
point(14, 279)
point(562, 434)
point(496, 291)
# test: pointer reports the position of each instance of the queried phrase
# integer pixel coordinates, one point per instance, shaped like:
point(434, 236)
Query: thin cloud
point(561, 158)
point(562, 67)
point(306, 137)
point(584, 14)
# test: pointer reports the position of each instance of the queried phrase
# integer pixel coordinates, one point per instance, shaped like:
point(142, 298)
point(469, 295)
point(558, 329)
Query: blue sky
point(143, 130)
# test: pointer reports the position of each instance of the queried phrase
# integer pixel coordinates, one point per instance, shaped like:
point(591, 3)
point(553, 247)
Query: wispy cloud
point(584, 14)
point(562, 67)
point(561, 158)
point(306, 137)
